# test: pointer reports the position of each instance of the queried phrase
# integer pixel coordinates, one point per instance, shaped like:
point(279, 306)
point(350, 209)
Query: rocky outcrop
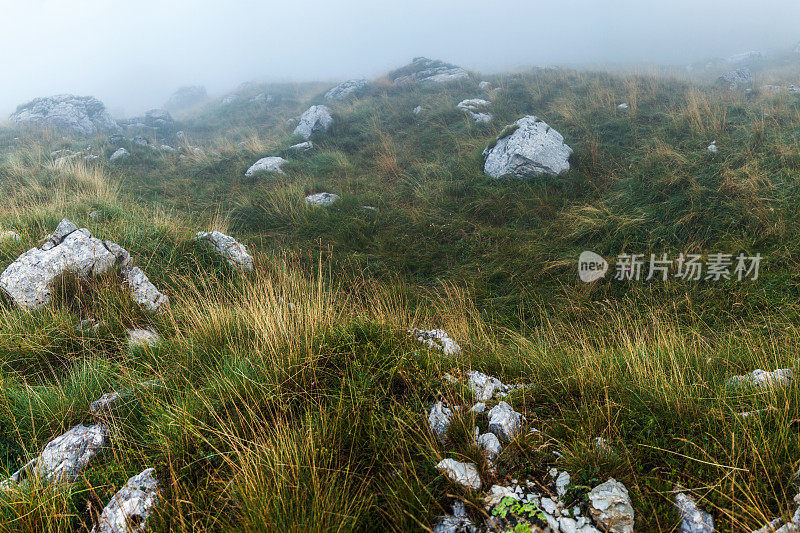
point(79, 115)
point(64, 458)
point(476, 108)
point(345, 89)
point(322, 199)
point(610, 506)
point(426, 71)
point(463, 474)
point(528, 148)
point(186, 97)
point(131, 507)
point(316, 119)
point(28, 281)
point(228, 248)
point(438, 339)
point(266, 164)
point(737, 79)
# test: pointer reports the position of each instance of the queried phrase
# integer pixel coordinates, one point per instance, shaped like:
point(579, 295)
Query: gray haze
point(132, 55)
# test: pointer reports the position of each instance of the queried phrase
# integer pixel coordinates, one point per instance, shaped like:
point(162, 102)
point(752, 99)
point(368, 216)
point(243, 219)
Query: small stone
point(504, 421)
point(302, 147)
point(266, 164)
point(610, 506)
point(622, 106)
point(549, 506)
point(228, 248)
point(437, 338)
point(439, 420)
point(322, 199)
point(142, 338)
point(694, 520)
point(478, 408)
point(418, 110)
point(562, 481)
point(122, 153)
point(483, 386)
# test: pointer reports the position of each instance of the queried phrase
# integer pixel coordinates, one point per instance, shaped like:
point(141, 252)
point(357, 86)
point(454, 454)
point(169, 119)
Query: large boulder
point(28, 281)
point(79, 115)
point(737, 79)
point(229, 248)
point(316, 119)
point(186, 97)
point(345, 89)
point(129, 509)
point(426, 71)
point(526, 149)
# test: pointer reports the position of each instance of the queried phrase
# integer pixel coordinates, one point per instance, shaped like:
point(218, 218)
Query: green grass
point(292, 399)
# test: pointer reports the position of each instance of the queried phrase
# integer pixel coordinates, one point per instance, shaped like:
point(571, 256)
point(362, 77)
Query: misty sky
point(133, 54)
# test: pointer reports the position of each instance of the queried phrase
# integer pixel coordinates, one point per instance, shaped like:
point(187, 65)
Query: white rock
point(345, 89)
point(438, 339)
point(168, 148)
point(762, 379)
point(562, 481)
point(131, 507)
point(302, 147)
point(610, 506)
point(568, 525)
point(9, 236)
point(623, 105)
point(485, 85)
point(418, 110)
point(737, 79)
point(143, 291)
point(142, 338)
point(427, 71)
point(694, 520)
point(28, 280)
point(476, 108)
point(504, 421)
point(439, 420)
point(322, 199)
point(122, 153)
point(533, 149)
point(713, 147)
point(549, 506)
point(478, 408)
point(464, 474)
point(490, 446)
point(483, 386)
point(229, 248)
point(316, 119)
point(266, 164)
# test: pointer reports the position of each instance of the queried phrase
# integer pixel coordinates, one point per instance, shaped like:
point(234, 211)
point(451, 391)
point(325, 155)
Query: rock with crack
point(457, 522)
point(438, 339)
point(28, 280)
point(484, 387)
point(610, 506)
point(439, 419)
point(322, 199)
point(63, 458)
point(504, 421)
point(345, 89)
point(464, 474)
point(131, 507)
point(316, 119)
point(526, 149)
point(229, 248)
point(266, 164)
point(694, 519)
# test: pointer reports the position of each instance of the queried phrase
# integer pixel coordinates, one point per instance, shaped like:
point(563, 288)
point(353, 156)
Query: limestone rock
point(484, 387)
point(504, 421)
point(139, 141)
point(457, 522)
point(530, 148)
point(322, 199)
point(427, 71)
point(437, 338)
point(28, 280)
point(485, 86)
point(610, 506)
point(762, 379)
point(737, 79)
point(229, 248)
point(694, 520)
point(130, 508)
point(122, 153)
point(80, 115)
point(266, 164)
point(142, 338)
point(105, 404)
point(345, 89)
point(316, 119)
point(490, 445)
point(9, 236)
point(463, 474)
point(302, 147)
point(476, 108)
point(439, 420)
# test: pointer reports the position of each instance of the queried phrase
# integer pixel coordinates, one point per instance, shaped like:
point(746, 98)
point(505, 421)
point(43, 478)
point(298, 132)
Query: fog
point(132, 55)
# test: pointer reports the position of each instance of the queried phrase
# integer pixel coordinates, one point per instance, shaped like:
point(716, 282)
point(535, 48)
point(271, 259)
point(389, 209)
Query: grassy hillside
point(293, 399)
